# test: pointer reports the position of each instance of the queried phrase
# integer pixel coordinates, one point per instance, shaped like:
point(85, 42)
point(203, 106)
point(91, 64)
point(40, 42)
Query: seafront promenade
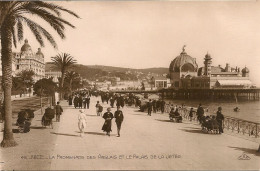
point(146, 142)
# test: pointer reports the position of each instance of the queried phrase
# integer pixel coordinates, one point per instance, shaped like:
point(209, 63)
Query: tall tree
point(63, 62)
point(45, 88)
point(18, 86)
point(13, 16)
point(26, 76)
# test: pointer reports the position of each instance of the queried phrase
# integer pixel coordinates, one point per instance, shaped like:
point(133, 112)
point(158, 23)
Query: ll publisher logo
point(244, 157)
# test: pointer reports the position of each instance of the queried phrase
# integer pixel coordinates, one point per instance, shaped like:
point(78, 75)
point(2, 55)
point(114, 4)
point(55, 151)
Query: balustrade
point(234, 125)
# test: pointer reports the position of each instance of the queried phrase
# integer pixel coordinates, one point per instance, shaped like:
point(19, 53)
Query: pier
point(212, 94)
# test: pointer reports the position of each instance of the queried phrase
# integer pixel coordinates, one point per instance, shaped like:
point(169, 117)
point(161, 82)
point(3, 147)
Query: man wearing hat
point(220, 119)
point(200, 112)
point(119, 119)
point(108, 116)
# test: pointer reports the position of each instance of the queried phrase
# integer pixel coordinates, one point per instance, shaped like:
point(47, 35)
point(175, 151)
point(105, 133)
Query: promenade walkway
point(146, 142)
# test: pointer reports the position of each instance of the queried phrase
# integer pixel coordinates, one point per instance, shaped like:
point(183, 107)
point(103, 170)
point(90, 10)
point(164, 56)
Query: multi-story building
point(185, 74)
point(26, 59)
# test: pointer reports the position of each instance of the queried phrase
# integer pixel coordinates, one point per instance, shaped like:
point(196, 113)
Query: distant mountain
point(93, 72)
point(159, 70)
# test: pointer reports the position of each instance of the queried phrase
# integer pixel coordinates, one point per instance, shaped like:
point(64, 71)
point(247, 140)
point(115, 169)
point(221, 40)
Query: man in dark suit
point(149, 107)
point(119, 117)
point(58, 110)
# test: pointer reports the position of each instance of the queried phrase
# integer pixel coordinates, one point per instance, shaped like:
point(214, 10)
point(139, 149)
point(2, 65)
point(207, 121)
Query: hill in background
point(100, 72)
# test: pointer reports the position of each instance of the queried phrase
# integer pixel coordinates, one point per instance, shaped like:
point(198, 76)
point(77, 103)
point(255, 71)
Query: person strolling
point(191, 113)
point(149, 107)
point(75, 101)
point(220, 119)
point(80, 101)
point(98, 108)
point(82, 122)
point(119, 117)
point(200, 112)
point(88, 101)
point(108, 116)
point(58, 111)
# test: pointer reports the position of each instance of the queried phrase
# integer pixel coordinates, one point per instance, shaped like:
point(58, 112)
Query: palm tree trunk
point(6, 44)
point(70, 86)
point(61, 85)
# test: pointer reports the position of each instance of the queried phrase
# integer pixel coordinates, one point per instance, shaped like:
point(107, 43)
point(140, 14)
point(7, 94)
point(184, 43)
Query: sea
point(249, 110)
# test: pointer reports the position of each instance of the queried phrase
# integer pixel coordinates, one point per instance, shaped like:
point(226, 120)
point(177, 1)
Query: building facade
point(185, 74)
point(26, 59)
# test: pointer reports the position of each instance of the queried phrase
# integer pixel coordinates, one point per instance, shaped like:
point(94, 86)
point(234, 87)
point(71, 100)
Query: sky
point(144, 34)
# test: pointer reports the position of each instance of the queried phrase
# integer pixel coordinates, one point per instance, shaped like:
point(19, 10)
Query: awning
point(234, 82)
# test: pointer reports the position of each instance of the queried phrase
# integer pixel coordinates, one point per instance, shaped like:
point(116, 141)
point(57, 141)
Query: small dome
point(39, 53)
point(26, 46)
point(181, 60)
point(245, 70)
point(207, 56)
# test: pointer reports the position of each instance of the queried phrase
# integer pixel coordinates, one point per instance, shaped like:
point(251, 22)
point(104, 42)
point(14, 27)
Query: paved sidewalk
point(183, 146)
point(146, 143)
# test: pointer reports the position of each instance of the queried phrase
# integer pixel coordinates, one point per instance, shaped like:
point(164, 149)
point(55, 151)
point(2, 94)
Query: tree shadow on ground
point(73, 135)
point(195, 131)
point(246, 150)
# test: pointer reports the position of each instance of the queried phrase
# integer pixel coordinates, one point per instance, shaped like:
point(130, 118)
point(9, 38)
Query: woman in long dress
point(82, 118)
point(108, 116)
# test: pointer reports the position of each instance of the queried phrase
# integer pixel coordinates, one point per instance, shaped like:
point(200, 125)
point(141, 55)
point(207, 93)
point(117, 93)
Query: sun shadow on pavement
point(193, 128)
point(139, 114)
point(37, 127)
point(95, 133)
point(164, 120)
point(246, 150)
point(73, 135)
point(92, 115)
point(196, 131)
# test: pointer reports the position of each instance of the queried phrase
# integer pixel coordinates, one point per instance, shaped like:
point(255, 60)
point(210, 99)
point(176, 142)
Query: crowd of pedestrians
point(81, 100)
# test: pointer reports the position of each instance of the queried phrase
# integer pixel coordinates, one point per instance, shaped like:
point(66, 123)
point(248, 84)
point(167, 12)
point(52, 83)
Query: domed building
point(26, 59)
point(185, 74)
point(183, 66)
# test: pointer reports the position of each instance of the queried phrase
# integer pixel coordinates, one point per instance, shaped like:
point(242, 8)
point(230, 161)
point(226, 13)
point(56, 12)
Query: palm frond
point(19, 30)
point(41, 30)
point(34, 28)
point(14, 37)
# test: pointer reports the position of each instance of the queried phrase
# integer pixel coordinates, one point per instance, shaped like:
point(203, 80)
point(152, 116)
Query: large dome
point(26, 46)
point(184, 63)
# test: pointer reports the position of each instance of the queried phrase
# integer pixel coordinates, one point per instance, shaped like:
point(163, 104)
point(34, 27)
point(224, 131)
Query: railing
point(242, 127)
point(234, 125)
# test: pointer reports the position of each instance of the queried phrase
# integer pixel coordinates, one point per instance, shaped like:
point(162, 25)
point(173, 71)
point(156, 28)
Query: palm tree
point(63, 62)
point(70, 76)
point(12, 17)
